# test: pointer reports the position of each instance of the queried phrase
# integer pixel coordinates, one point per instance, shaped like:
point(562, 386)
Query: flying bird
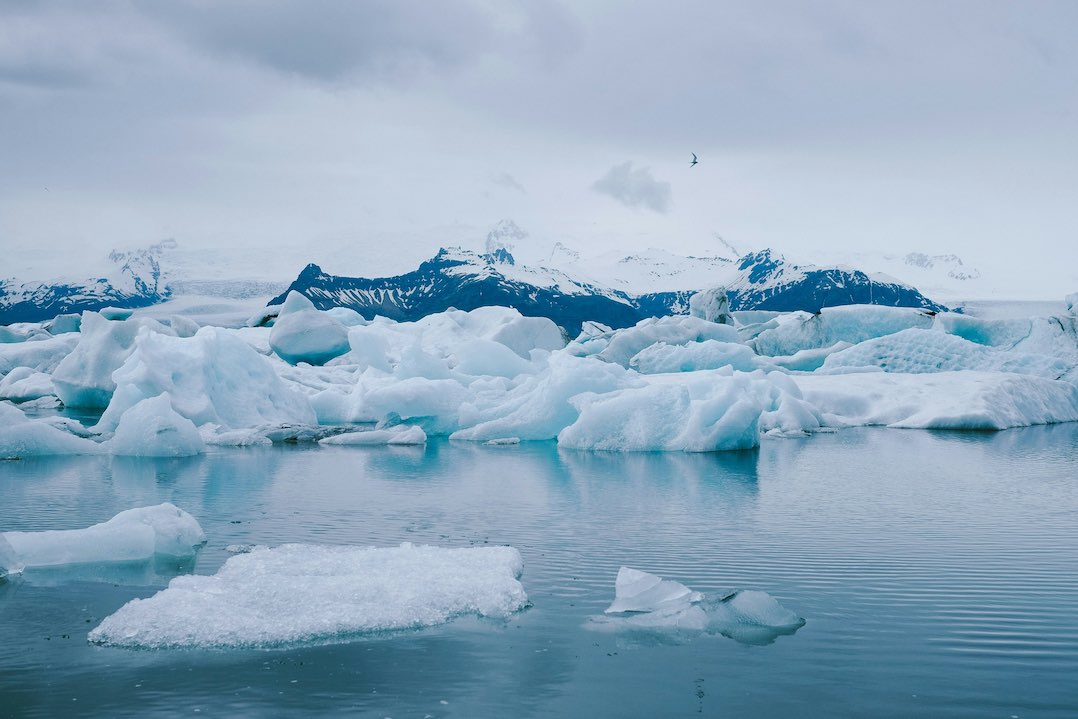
point(694, 160)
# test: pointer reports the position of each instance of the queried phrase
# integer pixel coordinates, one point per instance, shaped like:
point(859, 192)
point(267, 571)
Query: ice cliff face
point(136, 280)
point(466, 280)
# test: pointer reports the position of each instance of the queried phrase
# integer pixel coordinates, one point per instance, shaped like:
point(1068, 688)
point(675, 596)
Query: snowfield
point(710, 381)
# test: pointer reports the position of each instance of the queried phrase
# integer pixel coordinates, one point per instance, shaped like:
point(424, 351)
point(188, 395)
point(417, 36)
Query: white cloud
point(634, 187)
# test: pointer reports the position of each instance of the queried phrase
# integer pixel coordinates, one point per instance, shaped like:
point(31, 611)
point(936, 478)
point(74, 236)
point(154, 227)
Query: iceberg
point(644, 601)
point(943, 400)
point(153, 429)
point(301, 593)
point(23, 384)
point(22, 437)
point(212, 377)
point(305, 334)
point(136, 534)
point(41, 356)
point(712, 305)
point(851, 323)
point(84, 377)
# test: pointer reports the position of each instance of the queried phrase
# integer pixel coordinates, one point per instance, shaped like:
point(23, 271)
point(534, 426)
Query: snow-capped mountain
point(466, 280)
point(135, 279)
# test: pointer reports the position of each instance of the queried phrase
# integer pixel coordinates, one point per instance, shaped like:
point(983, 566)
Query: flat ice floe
point(646, 602)
point(310, 593)
point(136, 534)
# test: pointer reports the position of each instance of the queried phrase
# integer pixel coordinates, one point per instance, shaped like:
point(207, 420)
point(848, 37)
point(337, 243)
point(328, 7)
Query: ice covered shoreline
point(680, 383)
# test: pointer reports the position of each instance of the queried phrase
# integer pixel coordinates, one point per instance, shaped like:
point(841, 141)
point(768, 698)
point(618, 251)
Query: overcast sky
point(365, 134)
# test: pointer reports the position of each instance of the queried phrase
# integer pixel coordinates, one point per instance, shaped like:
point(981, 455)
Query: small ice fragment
point(636, 591)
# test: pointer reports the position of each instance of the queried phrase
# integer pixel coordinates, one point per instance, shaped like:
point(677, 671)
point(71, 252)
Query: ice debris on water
point(646, 602)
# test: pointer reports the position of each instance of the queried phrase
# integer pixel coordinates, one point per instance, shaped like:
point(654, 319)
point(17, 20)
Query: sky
point(364, 135)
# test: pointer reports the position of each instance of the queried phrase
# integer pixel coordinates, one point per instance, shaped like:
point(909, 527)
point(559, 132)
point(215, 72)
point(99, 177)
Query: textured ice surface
point(163, 530)
point(304, 334)
point(644, 601)
point(153, 429)
point(393, 436)
point(310, 593)
point(213, 377)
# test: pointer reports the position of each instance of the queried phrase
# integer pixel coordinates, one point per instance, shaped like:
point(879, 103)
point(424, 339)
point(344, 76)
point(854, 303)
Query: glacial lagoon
point(935, 572)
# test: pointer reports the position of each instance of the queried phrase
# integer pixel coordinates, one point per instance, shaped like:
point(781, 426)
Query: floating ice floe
point(399, 435)
point(136, 534)
point(309, 593)
point(42, 356)
point(851, 323)
point(644, 601)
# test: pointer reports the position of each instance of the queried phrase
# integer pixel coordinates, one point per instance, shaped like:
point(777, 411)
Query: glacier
point(299, 593)
point(675, 383)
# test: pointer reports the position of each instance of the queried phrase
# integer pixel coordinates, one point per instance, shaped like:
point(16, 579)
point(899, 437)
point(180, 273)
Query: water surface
point(935, 571)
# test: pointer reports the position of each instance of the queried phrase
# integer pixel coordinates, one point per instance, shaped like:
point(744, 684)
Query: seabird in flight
point(694, 160)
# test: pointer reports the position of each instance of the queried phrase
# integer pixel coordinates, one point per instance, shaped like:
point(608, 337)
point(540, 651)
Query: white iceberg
point(84, 377)
point(712, 305)
point(23, 384)
point(22, 437)
point(153, 429)
point(851, 323)
point(941, 400)
point(310, 593)
point(213, 377)
point(9, 563)
point(136, 534)
point(42, 356)
point(305, 334)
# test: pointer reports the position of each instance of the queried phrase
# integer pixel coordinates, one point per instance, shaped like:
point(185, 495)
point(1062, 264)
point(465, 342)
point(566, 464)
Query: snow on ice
point(310, 593)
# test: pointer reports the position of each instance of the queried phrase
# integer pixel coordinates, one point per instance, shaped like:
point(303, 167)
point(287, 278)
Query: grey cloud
point(634, 187)
point(335, 40)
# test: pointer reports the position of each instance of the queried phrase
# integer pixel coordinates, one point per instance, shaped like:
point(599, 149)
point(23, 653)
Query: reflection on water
point(935, 570)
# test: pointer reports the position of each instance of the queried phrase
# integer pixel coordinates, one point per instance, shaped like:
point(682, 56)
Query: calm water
point(936, 571)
